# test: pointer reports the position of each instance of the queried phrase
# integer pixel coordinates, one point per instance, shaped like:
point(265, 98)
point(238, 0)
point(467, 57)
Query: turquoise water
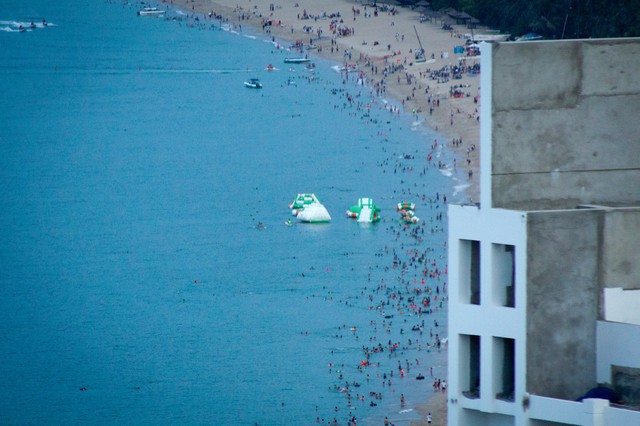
point(136, 286)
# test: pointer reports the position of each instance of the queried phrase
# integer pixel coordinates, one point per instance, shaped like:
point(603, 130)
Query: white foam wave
point(11, 30)
point(460, 188)
point(448, 171)
point(12, 26)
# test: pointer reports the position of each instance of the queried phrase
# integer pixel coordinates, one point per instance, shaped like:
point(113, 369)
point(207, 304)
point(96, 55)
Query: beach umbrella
point(423, 3)
point(447, 10)
point(447, 20)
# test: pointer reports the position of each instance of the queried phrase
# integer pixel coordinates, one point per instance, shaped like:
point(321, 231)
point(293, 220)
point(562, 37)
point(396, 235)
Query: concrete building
point(544, 273)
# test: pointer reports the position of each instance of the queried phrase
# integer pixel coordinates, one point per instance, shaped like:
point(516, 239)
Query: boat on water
point(307, 208)
point(347, 68)
point(365, 211)
point(296, 60)
point(253, 83)
point(150, 11)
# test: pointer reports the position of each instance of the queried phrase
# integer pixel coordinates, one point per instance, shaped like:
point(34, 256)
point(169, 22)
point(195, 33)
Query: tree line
point(552, 19)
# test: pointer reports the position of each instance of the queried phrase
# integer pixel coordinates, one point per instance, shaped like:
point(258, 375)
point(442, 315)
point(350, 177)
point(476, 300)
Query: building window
point(504, 368)
point(470, 271)
point(504, 274)
point(470, 357)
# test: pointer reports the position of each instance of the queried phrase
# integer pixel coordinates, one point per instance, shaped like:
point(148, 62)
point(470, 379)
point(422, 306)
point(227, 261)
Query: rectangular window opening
point(474, 273)
point(506, 369)
point(472, 387)
point(504, 275)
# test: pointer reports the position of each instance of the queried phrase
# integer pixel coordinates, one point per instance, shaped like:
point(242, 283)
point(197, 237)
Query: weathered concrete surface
point(571, 134)
point(562, 302)
point(620, 257)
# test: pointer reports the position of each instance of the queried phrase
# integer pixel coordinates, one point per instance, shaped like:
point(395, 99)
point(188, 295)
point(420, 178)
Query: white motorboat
point(296, 60)
point(151, 11)
point(253, 83)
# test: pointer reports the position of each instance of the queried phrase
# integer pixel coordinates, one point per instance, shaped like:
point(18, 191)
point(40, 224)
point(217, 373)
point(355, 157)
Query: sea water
point(136, 284)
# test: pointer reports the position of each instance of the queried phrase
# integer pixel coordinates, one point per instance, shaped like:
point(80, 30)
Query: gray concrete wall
point(565, 123)
point(620, 261)
point(562, 302)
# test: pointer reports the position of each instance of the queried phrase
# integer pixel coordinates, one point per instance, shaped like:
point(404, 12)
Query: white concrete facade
point(488, 318)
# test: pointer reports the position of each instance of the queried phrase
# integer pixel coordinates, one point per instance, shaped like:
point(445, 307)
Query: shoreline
point(375, 43)
point(421, 89)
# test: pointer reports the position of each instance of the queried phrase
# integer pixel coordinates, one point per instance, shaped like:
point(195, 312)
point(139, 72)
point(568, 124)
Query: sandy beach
point(379, 44)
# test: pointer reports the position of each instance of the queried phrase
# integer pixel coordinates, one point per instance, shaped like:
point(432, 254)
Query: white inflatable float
point(307, 208)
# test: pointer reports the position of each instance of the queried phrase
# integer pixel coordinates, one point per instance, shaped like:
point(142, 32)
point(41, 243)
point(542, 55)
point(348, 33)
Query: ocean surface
point(136, 285)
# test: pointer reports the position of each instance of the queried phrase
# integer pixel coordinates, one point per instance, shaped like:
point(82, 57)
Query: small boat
point(253, 83)
point(296, 60)
point(347, 68)
point(150, 11)
point(271, 68)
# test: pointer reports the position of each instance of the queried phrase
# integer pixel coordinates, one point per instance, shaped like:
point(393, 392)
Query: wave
point(12, 30)
point(448, 172)
point(13, 26)
point(457, 189)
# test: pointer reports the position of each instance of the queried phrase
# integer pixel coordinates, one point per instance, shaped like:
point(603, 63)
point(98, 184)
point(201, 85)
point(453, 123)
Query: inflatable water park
point(365, 211)
point(307, 208)
point(407, 212)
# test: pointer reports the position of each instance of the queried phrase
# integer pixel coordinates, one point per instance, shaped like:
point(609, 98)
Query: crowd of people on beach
point(404, 295)
point(406, 291)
